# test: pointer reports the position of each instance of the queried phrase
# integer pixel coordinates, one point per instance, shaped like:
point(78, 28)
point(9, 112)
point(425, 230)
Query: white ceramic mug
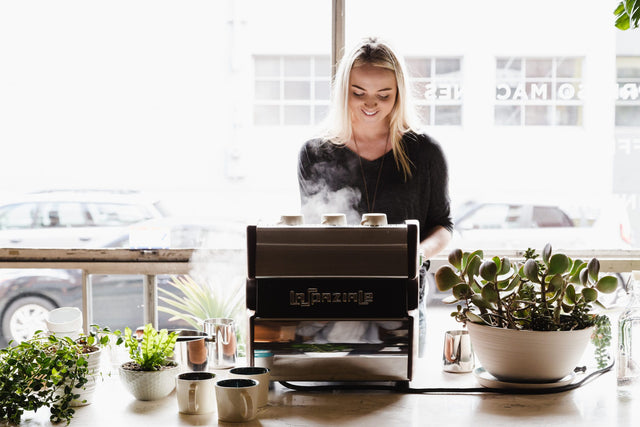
point(334, 219)
point(374, 219)
point(196, 392)
point(64, 322)
point(237, 399)
point(291, 220)
point(260, 374)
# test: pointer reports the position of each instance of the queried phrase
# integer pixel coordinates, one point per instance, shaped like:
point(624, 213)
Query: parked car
point(491, 225)
point(518, 226)
point(73, 219)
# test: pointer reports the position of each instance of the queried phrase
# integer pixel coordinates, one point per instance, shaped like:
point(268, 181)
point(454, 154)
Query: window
point(628, 99)
point(539, 91)
point(18, 216)
point(436, 83)
point(291, 90)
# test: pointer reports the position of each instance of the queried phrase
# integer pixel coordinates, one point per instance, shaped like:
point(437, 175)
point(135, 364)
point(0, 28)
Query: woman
point(371, 158)
point(372, 155)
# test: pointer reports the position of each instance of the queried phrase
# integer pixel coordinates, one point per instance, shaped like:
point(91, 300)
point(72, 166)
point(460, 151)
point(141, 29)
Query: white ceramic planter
point(528, 356)
point(86, 392)
point(149, 385)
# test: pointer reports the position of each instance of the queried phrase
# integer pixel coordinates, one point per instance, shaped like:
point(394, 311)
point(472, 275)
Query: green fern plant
point(154, 350)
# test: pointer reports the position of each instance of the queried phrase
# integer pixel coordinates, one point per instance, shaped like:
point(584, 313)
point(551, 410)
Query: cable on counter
point(404, 388)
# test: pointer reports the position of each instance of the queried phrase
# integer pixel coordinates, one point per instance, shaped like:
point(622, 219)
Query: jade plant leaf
point(556, 282)
point(546, 253)
point(558, 264)
point(531, 270)
point(489, 294)
point(475, 318)
point(594, 269)
point(455, 258)
point(488, 270)
point(461, 291)
point(446, 278)
point(589, 294)
point(584, 277)
point(578, 264)
point(607, 284)
point(473, 264)
point(514, 283)
point(570, 295)
point(505, 266)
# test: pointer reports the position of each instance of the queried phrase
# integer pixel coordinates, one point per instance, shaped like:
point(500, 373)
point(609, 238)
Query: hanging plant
point(627, 14)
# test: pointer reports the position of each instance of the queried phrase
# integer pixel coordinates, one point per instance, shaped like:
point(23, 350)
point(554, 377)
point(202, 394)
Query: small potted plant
point(150, 374)
point(49, 371)
point(529, 321)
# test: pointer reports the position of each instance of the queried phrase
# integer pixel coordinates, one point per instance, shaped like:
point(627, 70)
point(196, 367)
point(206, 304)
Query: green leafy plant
point(627, 14)
point(43, 372)
point(601, 339)
point(555, 293)
point(154, 351)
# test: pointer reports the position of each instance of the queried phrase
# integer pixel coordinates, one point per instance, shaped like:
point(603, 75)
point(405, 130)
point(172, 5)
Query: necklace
point(371, 207)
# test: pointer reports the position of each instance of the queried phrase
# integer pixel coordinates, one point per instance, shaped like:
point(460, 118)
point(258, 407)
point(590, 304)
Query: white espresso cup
point(237, 399)
point(291, 220)
point(196, 392)
point(334, 219)
point(260, 374)
point(374, 219)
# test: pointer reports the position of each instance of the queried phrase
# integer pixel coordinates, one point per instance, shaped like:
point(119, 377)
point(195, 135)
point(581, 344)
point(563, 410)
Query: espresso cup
point(260, 374)
point(374, 219)
point(196, 392)
point(291, 220)
point(237, 399)
point(457, 354)
point(334, 219)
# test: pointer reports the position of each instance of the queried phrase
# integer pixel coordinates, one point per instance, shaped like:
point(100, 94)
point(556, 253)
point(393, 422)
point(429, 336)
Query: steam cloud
point(328, 195)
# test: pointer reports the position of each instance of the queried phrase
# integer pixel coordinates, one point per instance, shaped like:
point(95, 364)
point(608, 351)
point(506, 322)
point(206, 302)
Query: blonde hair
point(402, 117)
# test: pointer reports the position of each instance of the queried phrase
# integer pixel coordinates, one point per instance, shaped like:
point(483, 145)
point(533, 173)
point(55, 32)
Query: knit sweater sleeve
point(439, 212)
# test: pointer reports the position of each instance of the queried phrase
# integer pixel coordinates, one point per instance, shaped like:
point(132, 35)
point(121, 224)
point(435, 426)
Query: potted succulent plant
point(150, 374)
point(49, 371)
point(529, 320)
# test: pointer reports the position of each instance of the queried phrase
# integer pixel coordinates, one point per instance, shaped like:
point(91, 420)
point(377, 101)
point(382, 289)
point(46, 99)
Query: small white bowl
point(64, 319)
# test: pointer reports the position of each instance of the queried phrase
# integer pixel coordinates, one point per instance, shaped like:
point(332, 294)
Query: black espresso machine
point(333, 303)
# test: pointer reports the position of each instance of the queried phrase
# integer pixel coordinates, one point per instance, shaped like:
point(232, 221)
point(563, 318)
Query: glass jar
point(628, 363)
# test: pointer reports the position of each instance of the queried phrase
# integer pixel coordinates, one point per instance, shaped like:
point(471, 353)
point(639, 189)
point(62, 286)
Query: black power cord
point(404, 388)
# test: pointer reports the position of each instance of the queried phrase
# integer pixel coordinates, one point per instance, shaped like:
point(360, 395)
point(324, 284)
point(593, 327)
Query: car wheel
point(24, 316)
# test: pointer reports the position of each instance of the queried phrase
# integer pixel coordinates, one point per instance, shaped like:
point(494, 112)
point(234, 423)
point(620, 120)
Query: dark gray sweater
point(331, 180)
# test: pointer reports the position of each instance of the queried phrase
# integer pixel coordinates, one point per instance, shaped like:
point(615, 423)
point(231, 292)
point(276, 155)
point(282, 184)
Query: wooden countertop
point(597, 403)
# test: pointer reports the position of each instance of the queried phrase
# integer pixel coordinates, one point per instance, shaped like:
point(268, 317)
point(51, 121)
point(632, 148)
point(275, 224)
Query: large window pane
point(547, 86)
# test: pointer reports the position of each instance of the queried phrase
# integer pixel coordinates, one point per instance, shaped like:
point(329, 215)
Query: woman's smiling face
point(372, 94)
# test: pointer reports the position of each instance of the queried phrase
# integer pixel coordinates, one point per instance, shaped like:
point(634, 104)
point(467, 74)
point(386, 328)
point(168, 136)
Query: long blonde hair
point(402, 118)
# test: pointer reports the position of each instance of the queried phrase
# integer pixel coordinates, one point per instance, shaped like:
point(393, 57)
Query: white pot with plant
point(528, 321)
point(150, 375)
point(49, 371)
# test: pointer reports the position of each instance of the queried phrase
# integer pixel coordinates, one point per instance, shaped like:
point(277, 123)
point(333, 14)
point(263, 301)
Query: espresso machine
point(333, 303)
